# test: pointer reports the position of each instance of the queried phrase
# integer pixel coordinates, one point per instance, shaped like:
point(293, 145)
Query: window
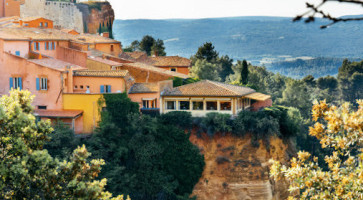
point(53, 46)
point(81, 87)
point(226, 105)
point(36, 46)
point(16, 83)
point(173, 69)
point(170, 105)
point(41, 24)
point(75, 87)
point(212, 105)
point(46, 24)
point(112, 49)
point(43, 83)
point(184, 105)
point(198, 105)
point(46, 45)
point(145, 104)
point(17, 53)
point(105, 89)
point(42, 107)
point(246, 103)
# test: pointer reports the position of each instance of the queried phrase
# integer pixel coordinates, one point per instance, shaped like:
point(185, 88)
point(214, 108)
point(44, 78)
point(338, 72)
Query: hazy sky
point(161, 9)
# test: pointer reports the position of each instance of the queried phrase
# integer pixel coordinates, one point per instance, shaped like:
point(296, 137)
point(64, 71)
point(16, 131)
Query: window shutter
point(11, 82)
point(53, 45)
point(109, 88)
point(20, 83)
point(17, 53)
point(37, 83)
point(102, 89)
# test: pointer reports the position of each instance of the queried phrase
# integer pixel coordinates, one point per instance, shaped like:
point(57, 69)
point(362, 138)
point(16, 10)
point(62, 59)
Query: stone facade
point(9, 8)
point(65, 15)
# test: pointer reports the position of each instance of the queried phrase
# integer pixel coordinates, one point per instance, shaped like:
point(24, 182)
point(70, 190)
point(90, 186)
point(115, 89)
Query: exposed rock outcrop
point(96, 13)
point(235, 170)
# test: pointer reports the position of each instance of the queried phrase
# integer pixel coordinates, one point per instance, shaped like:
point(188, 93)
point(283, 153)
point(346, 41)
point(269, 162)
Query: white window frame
point(16, 82)
point(43, 83)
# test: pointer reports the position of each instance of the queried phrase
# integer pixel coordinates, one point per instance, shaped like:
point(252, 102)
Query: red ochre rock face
point(236, 170)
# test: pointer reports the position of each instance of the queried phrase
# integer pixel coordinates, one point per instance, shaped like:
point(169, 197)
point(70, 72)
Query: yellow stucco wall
point(87, 103)
point(94, 65)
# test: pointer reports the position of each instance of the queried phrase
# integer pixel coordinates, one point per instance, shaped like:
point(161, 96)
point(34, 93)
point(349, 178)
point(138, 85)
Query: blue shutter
point(50, 45)
point(53, 45)
point(109, 88)
point(37, 83)
point(46, 45)
point(17, 53)
point(102, 89)
point(20, 83)
point(11, 82)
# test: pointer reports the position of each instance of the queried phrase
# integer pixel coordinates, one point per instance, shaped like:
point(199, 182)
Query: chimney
point(106, 34)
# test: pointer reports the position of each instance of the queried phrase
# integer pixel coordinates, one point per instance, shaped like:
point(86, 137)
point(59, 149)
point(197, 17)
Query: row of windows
point(47, 46)
point(149, 103)
point(199, 105)
point(45, 24)
point(17, 83)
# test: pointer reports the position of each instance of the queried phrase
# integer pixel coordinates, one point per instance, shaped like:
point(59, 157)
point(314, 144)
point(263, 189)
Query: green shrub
point(181, 119)
point(216, 122)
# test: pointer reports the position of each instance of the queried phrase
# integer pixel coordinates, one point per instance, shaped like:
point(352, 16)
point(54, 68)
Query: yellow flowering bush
point(338, 128)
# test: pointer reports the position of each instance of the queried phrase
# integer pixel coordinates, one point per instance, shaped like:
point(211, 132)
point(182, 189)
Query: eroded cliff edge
point(96, 14)
point(236, 170)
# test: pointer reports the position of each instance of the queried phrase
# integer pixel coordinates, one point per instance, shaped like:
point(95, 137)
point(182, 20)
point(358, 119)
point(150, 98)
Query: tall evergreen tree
point(146, 43)
point(244, 73)
point(207, 52)
point(100, 30)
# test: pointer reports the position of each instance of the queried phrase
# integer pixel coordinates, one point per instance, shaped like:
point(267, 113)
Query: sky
point(189, 9)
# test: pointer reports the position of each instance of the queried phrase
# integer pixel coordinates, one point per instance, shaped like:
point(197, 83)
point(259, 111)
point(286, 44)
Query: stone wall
point(65, 15)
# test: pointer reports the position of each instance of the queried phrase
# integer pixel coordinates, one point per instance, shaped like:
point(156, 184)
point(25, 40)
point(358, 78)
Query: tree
point(206, 52)
point(244, 72)
point(314, 10)
point(146, 43)
point(309, 80)
point(349, 78)
point(226, 66)
point(135, 45)
point(100, 29)
point(203, 69)
point(29, 172)
point(327, 82)
point(339, 129)
point(158, 48)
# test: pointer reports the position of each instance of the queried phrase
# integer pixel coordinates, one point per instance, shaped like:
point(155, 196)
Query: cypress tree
point(100, 29)
point(244, 73)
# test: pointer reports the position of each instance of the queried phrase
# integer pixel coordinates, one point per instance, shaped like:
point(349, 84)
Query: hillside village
point(68, 72)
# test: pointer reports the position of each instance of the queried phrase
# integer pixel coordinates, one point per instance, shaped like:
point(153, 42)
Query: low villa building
point(207, 96)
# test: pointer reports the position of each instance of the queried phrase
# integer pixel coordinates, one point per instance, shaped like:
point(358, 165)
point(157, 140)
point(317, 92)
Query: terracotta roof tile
point(209, 88)
point(144, 88)
point(168, 61)
point(136, 54)
point(155, 69)
point(58, 113)
point(23, 33)
point(55, 64)
point(111, 73)
point(28, 19)
point(105, 61)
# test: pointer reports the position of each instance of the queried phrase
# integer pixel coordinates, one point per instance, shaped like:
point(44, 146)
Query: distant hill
point(260, 40)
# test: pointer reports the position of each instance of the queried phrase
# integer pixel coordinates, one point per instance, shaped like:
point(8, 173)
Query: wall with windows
point(47, 48)
point(9, 8)
point(199, 106)
point(94, 84)
point(22, 47)
point(31, 75)
point(38, 23)
point(143, 98)
point(110, 48)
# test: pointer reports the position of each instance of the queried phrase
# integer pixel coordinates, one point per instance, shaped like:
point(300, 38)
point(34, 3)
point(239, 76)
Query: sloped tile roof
point(144, 88)
point(24, 33)
point(209, 88)
point(105, 61)
point(136, 54)
point(111, 73)
point(58, 113)
point(155, 69)
point(170, 61)
point(55, 64)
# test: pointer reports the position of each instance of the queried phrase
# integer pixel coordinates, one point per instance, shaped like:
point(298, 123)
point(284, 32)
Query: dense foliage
point(149, 45)
point(29, 172)
point(147, 158)
point(340, 130)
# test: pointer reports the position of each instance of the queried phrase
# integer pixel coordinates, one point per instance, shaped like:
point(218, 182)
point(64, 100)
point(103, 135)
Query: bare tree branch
point(314, 10)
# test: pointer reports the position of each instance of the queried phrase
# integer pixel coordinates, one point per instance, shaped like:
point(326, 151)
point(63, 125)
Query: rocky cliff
point(236, 170)
point(96, 14)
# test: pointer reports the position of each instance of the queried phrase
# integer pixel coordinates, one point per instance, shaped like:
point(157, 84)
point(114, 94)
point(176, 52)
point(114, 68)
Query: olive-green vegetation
point(146, 157)
point(29, 172)
point(149, 45)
